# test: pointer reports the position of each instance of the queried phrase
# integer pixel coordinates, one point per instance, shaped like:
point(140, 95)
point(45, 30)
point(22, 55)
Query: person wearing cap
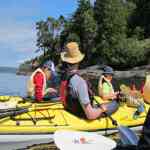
point(78, 99)
point(37, 84)
point(106, 90)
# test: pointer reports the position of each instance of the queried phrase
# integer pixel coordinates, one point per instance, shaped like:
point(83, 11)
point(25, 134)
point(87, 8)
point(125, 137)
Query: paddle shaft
point(114, 122)
point(13, 113)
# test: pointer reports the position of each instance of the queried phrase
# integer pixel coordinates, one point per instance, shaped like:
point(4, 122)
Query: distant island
point(7, 69)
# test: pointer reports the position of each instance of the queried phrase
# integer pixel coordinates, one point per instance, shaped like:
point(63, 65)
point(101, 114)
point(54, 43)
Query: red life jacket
point(63, 92)
point(142, 87)
point(71, 104)
point(64, 89)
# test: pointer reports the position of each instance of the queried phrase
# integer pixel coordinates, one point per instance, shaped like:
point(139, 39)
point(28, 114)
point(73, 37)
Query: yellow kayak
point(47, 117)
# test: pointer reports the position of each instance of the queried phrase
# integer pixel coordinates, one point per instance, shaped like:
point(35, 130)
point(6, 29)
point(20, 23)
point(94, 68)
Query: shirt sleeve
point(39, 83)
point(82, 91)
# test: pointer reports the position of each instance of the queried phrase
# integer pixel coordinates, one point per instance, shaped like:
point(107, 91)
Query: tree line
point(112, 32)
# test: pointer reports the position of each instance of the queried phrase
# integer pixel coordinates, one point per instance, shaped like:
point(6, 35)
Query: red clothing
point(38, 81)
point(142, 87)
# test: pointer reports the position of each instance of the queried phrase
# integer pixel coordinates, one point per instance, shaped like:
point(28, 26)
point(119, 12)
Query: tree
point(141, 16)
point(43, 36)
point(84, 25)
point(49, 37)
point(81, 28)
point(68, 35)
point(115, 48)
point(112, 27)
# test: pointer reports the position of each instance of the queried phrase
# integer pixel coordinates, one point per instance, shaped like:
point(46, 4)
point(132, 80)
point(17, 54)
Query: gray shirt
point(79, 89)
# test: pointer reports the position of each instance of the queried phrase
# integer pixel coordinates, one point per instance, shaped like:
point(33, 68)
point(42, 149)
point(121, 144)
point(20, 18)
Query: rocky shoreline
point(94, 72)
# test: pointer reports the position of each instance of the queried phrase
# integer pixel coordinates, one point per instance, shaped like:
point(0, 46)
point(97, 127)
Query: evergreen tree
point(68, 35)
point(48, 37)
point(84, 27)
point(114, 47)
point(142, 16)
point(112, 27)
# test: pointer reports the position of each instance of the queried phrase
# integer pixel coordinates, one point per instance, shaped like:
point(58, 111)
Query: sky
point(17, 26)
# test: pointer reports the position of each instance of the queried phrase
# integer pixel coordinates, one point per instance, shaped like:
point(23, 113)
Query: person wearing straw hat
point(77, 98)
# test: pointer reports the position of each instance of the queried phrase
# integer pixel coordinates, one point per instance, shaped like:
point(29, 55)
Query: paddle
point(75, 140)
point(127, 136)
point(12, 113)
point(17, 111)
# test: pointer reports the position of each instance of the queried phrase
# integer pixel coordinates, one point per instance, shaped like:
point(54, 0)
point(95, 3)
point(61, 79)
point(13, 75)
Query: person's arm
point(109, 96)
point(93, 113)
point(39, 83)
point(90, 112)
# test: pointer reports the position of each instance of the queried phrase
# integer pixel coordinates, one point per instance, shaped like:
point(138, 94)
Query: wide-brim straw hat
point(72, 54)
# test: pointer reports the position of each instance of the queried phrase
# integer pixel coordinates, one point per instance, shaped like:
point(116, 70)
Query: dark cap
point(108, 70)
point(50, 65)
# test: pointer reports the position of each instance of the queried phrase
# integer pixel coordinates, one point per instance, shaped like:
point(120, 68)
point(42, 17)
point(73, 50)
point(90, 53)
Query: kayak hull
point(43, 118)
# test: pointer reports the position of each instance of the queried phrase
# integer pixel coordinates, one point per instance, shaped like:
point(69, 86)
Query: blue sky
point(17, 26)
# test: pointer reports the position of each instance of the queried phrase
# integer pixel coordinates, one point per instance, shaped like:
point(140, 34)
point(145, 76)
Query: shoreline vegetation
point(95, 71)
point(114, 33)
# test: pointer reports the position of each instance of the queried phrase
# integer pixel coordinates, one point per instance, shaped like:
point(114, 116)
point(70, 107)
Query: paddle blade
point(80, 140)
point(127, 136)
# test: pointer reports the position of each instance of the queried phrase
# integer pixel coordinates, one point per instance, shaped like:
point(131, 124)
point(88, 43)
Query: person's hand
point(117, 94)
point(104, 108)
point(113, 95)
point(51, 90)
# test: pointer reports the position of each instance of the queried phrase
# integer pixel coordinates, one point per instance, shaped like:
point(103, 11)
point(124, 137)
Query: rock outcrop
point(94, 72)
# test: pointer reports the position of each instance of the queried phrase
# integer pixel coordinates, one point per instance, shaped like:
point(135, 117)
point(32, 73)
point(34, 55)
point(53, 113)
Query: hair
point(68, 66)
point(106, 75)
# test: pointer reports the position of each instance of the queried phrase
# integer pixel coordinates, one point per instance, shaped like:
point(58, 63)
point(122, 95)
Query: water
point(12, 84)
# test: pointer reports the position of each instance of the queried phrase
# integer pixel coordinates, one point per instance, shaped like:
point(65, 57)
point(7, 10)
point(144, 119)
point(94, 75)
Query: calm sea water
point(12, 84)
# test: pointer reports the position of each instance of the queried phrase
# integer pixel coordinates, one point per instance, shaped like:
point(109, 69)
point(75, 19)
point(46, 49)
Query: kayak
point(82, 140)
point(44, 118)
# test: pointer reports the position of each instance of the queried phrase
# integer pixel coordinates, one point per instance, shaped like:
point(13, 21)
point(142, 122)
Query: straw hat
point(72, 54)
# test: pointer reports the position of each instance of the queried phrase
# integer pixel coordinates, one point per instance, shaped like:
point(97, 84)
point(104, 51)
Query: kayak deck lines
point(47, 117)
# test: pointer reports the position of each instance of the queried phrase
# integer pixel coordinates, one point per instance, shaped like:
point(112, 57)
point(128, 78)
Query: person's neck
point(107, 80)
